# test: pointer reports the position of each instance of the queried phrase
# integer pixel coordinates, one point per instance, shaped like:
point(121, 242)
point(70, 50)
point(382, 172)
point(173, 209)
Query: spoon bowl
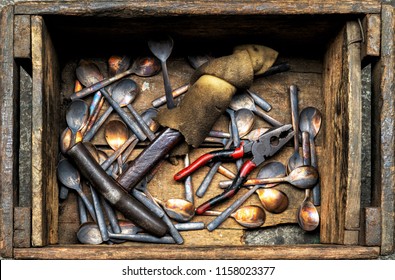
point(308, 217)
point(178, 209)
point(250, 216)
point(273, 200)
point(116, 133)
point(76, 117)
point(118, 64)
point(245, 120)
point(66, 138)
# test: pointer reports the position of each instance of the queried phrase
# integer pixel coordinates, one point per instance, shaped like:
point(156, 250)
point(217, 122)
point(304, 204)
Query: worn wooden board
point(22, 37)
point(22, 227)
point(354, 90)
point(371, 25)
point(383, 128)
point(370, 226)
point(9, 82)
point(138, 8)
point(333, 185)
point(317, 252)
point(45, 103)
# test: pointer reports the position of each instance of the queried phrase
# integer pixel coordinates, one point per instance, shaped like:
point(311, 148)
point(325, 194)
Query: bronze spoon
point(310, 121)
point(250, 216)
point(142, 66)
point(295, 160)
point(307, 215)
point(65, 139)
point(302, 177)
point(270, 170)
point(116, 134)
point(118, 64)
point(178, 209)
point(90, 73)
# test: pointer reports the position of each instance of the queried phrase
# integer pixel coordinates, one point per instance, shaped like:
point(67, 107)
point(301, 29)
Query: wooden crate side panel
point(387, 123)
point(155, 251)
point(22, 37)
point(335, 148)
point(8, 127)
point(147, 8)
point(45, 101)
point(354, 91)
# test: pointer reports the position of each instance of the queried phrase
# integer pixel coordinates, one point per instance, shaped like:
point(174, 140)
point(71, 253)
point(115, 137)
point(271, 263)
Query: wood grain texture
point(387, 125)
point(22, 37)
point(22, 227)
point(370, 226)
point(104, 252)
point(9, 82)
point(354, 141)
point(371, 25)
point(140, 9)
point(45, 104)
point(333, 184)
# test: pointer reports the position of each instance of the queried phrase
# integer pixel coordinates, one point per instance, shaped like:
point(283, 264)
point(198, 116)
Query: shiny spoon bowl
point(250, 216)
point(178, 209)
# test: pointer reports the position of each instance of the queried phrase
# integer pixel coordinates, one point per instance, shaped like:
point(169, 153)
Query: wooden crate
point(322, 41)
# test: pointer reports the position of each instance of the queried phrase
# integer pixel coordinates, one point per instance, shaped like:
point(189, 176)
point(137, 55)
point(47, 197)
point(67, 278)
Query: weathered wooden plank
point(370, 233)
point(351, 237)
point(354, 89)
point(22, 37)
point(319, 252)
point(8, 127)
point(25, 139)
point(387, 125)
point(45, 102)
point(139, 9)
point(335, 143)
point(22, 227)
point(371, 26)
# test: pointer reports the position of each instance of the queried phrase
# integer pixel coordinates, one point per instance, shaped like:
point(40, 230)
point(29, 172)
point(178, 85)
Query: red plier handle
point(221, 155)
point(229, 192)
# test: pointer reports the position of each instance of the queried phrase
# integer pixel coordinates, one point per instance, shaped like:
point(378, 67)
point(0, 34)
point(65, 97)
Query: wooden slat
point(45, 103)
point(333, 184)
point(354, 89)
point(204, 252)
point(22, 227)
point(351, 237)
point(386, 122)
point(146, 8)
point(371, 227)
point(8, 127)
point(371, 25)
point(22, 41)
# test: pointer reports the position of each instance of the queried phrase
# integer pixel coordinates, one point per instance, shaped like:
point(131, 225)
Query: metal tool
point(267, 145)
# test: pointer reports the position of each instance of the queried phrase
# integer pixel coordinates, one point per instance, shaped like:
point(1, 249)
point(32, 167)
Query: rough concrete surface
point(291, 234)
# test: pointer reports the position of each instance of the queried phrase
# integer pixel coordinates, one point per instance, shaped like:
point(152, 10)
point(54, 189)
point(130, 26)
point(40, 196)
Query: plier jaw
point(270, 143)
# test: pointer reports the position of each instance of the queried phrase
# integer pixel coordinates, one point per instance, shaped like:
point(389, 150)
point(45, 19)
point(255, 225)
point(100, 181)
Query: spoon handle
point(146, 238)
point(87, 203)
point(141, 123)
point(267, 118)
point(176, 93)
point(293, 91)
point(235, 134)
point(99, 215)
point(190, 226)
point(262, 103)
point(82, 211)
point(99, 85)
point(232, 208)
point(91, 132)
point(112, 217)
point(316, 192)
point(125, 117)
point(168, 90)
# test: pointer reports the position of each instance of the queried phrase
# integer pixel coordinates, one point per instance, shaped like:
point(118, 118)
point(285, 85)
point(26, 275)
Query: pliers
point(266, 146)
